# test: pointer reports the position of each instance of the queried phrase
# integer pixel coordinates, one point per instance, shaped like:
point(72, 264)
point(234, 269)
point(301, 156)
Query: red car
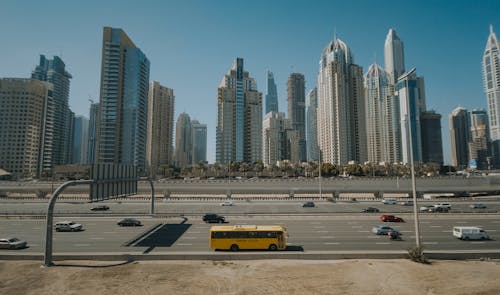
point(391, 218)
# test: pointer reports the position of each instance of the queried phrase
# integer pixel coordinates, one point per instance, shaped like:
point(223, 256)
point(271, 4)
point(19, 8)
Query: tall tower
point(460, 137)
point(297, 110)
point(378, 116)
point(239, 117)
point(122, 120)
point(91, 146)
point(199, 142)
point(271, 94)
point(432, 140)
point(160, 131)
point(281, 141)
point(58, 112)
point(80, 140)
point(23, 110)
point(394, 56)
point(410, 91)
point(341, 111)
point(183, 141)
point(312, 126)
point(491, 79)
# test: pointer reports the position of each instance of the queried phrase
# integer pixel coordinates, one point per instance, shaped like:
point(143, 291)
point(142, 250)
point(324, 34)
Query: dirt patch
point(252, 277)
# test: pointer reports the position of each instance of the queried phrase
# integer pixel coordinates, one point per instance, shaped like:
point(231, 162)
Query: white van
point(470, 233)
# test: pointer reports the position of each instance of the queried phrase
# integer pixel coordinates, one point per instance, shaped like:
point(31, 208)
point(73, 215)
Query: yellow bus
point(249, 237)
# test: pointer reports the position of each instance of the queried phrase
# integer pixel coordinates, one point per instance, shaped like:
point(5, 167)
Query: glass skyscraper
point(271, 94)
point(296, 93)
point(491, 79)
point(122, 120)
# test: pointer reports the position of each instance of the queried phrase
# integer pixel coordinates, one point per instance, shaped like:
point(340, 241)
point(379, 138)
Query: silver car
point(12, 243)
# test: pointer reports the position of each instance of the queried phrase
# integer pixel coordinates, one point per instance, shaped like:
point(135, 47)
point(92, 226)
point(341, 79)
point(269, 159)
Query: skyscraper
point(394, 56)
point(91, 145)
point(479, 145)
point(296, 93)
point(160, 130)
point(281, 140)
point(239, 117)
point(271, 94)
point(410, 91)
point(377, 115)
point(491, 79)
point(58, 112)
point(459, 137)
point(432, 142)
point(341, 106)
point(183, 141)
point(312, 126)
point(80, 140)
point(122, 120)
point(23, 111)
point(199, 142)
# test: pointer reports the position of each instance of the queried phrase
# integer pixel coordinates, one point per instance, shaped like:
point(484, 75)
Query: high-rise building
point(479, 145)
point(122, 120)
point(394, 56)
point(296, 93)
point(378, 115)
point(199, 142)
point(280, 139)
point(183, 141)
point(239, 117)
point(58, 112)
point(271, 94)
point(432, 142)
point(312, 126)
point(491, 79)
point(23, 111)
point(410, 91)
point(341, 106)
point(459, 137)
point(80, 140)
point(478, 117)
point(160, 130)
point(91, 145)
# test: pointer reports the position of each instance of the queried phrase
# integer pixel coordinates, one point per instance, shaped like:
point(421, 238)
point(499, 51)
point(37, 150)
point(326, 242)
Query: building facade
point(91, 143)
point(160, 130)
point(122, 119)
point(296, 94)
point(394, 56)
point(183, 141)
point(459, 137)
point(491, 80)
point(239, 117)
point(341, 106)
point(80, 140)
point(23, 111)
point(280, 140)
point(432, 142)
point(199, 142)
point(58, 119)
point(271, 93)
point(312, 126)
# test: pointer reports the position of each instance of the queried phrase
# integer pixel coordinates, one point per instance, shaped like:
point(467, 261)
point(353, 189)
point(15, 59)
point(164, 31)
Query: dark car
point(129, 222)
point(213, 218)
point(439, 209)
point(308, 204)
point(370, 210)
point(100, 208)
point(391, 218)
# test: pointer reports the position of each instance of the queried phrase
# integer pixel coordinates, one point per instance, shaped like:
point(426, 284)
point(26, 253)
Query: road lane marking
point(435, 225)
point(383, 243)
point(477, 242)
point(492, 230)
point(81, 245)
point(430, 243)
point(331, 243)
point(322, 231)
point(461, 221)
point(327, 237)
point(318, 227)
point(194, 232)
point(189, 238)
point(184, 244)
point(356, 226)
point(97, 238)
point(109, 232)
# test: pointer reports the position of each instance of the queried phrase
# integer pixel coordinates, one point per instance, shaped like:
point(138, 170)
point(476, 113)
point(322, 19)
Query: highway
point(307, 233)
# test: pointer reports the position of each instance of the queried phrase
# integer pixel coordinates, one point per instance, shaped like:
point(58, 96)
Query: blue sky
point(191, 44)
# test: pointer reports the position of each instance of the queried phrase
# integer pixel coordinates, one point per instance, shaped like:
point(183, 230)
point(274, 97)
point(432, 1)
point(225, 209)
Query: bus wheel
point(273, 247)
point(234, 247)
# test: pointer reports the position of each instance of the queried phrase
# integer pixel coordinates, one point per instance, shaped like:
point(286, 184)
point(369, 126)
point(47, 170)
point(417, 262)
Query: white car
point(227, 203)
point(68, 226)
point(389, 201)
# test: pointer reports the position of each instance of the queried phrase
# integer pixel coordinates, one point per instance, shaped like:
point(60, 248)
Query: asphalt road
point(307, 233)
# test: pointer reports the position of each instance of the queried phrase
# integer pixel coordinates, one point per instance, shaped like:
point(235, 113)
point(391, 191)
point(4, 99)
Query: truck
point(470, 233)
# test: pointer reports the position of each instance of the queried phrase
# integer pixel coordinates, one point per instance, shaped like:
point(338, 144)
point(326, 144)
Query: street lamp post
point(319, 177)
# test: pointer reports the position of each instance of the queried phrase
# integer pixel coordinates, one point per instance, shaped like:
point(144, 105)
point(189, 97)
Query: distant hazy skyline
point(191, 44)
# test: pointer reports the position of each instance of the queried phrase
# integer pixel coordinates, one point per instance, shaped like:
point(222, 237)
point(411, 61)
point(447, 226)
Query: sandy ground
point(252, 277)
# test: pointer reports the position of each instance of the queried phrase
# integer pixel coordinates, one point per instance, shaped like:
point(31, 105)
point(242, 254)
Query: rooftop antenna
point(491, 28)
point(334, 34)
